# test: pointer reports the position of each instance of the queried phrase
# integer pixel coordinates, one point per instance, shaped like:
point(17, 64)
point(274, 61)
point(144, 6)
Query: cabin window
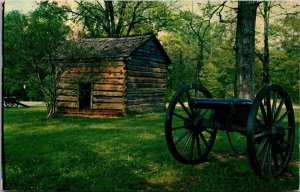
point(85, 95)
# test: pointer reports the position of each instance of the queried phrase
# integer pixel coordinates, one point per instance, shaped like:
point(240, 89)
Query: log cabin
point(118, 76)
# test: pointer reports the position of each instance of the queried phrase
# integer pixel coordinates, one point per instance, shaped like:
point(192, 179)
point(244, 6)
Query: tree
point(280, 37)
point(196, 30)
point(182, 69)
point(265, 56)
point(120, 18)
point(196, 34)
point(15, 74)
point(284, 65)
point(203, 30)
point(33, 44)
point(245, 49)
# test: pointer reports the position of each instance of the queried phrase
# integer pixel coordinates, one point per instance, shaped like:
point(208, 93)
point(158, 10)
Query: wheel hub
point(276, 132)
point(194, 124)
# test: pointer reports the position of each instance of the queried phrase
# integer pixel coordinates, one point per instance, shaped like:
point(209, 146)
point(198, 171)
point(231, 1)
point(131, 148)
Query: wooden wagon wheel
point(270, 131)
point(8, 104)
point(188, 142)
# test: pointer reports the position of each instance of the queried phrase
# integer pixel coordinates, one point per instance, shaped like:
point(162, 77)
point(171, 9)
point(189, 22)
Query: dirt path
point(33, 103)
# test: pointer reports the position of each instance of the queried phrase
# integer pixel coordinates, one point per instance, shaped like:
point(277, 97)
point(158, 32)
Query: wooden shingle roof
point(114, 47)
point(118, 47)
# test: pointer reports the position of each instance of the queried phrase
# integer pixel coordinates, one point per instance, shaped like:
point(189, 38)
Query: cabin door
point(85, 90)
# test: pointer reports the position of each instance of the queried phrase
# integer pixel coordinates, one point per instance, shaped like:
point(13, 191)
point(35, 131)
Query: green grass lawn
point(120, 154)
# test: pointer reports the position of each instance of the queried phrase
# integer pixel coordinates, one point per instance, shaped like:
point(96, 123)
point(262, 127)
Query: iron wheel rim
point(193, 144)
point(270, 131)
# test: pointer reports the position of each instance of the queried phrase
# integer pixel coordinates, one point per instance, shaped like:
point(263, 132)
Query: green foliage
point(121, 18)
point(121, 154)
point(41, 38)
point(206, 52)
point(218, 59)
point(181, 70)
point(285, 54)
point(29, 41)
point(198, 44)
point(15, 73)
point(285, 71)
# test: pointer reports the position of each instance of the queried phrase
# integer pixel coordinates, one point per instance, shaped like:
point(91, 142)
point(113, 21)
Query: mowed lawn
point(121, 154)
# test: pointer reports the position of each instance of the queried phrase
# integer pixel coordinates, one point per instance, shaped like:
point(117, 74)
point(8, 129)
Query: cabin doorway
point(85, 90)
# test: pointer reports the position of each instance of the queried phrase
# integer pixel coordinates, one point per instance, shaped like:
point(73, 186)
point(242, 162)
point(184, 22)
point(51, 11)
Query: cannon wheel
point(8, 104)
point(270, 131)
point(188, 142)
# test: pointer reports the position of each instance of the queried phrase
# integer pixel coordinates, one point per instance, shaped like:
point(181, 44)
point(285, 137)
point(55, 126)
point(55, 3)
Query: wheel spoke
point(192, 146)
point(181, 117)
point(280, 151)
point(283, 117)
point(258, 121)
point(265, 156)
point(269, 112)
point(189, 99)
point(184, 108)
point(261, 146)
point(260, 124)
point(275, 160)
point(198, 145)
point(179, 127)
point(204, 140)
point(274, 105)
point(279, 109)
point(262, 134)
point(263, 112)
point(187, 143)
point(288, 144)
point(208, 131)
point(181, 137)
point(270, 159)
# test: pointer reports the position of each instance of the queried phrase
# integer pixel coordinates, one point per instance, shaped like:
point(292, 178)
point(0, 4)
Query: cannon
point(10, 101)
point(194, 116)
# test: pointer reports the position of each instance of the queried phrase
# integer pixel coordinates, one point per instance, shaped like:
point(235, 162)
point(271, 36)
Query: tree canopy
point(200, 39)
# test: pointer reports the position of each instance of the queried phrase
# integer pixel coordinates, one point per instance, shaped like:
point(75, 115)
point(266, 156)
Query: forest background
point(199, 37)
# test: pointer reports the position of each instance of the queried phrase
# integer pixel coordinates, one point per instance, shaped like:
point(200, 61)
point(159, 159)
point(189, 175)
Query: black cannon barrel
point(215, 103)
point(229, 114)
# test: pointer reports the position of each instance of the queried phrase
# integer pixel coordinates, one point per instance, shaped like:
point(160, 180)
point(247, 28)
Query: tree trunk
point(245, 52)
point(51, 106)
point(200, 62)
point(110, 18)
point(266, 56)
point(180, 75)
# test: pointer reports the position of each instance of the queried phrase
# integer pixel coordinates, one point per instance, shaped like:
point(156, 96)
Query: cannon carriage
point(10, 101)
point(193, 118)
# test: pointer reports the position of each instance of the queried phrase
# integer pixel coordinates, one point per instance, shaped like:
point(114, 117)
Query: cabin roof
point(119, 47)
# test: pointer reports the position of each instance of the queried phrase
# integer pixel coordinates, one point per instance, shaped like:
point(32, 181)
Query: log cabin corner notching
point(119, 76)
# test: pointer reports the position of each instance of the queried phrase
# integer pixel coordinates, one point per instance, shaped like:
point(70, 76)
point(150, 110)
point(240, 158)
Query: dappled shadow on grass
point(72, 153)
point(234, 174)
point(72, 160)
point(122, 154)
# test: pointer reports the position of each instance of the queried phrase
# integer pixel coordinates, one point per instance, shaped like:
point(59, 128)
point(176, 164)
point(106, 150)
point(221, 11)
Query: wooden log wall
point(107, 89)
point(137, 84)
point(146, 74)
